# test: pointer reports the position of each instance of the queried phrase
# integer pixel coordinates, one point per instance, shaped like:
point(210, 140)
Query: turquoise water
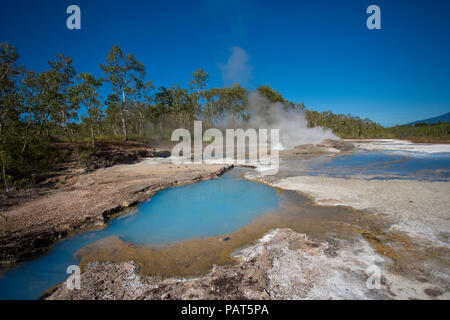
point(374, 165)
point(207, 208)
point(385, 164)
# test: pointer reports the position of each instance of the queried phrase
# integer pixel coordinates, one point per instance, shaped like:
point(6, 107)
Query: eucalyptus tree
point(10, 102)
point(226, 104)
point(185, 109)
point(9, 75)
point(237, 97)
point(112, 118)
point(197, 86)
point(216, 104)
point(208, 108)
point(86, 93)
point(126, 76)
point(58, 82)
point(164, 102)
point(199, 80)
point(31, 94)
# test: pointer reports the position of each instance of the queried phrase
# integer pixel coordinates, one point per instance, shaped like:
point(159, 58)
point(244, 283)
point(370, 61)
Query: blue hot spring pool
point(207, 208)
point(373, 165)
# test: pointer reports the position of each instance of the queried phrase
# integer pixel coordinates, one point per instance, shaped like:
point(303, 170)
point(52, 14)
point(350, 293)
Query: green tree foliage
point(34, 106)
point(59, 80)
point(86, 93)
point(345, 126)
point(9, 104)
point(38, 108)
point(126, 76)
point(271, 94)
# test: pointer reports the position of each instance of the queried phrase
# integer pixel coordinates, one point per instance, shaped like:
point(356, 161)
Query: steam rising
point(291, 122)
point(236, 69)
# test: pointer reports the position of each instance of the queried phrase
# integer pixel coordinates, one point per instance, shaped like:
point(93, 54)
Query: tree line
point(38, 108)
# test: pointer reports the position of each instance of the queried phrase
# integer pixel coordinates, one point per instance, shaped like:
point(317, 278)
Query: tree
point(9, 104)
point(197, 85)
point(271, 94)
point(198, 82)
point(59, 80)
point(85, 92)
point(112, 119)
point(126, 76)
point(5, 159)
point(9, 91)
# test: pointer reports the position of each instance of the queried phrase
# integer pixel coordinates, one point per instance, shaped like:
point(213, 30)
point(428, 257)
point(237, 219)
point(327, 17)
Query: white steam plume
point(236, 69)
point(292, 123)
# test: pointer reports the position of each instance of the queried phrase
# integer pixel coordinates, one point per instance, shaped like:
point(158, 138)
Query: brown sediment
point(283, 264)
point(340, 231)
point(249, 279)
point(326, 147)
point(89, 201)
point(197, 256)
point(406, 253)
point(324, 224)
point(403, 203)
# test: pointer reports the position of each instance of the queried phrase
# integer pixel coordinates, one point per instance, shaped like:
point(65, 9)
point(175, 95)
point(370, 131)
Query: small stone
point(165, 296)
point(433, 292)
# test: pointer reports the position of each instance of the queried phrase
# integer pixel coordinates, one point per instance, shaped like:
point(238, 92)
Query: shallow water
point(373, 165)
point(207, 208)
point(212, 208)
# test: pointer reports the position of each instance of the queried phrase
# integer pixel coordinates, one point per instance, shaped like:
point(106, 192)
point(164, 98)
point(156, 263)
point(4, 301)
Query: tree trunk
point(64, 127)
point(92, 136)
point(92, 128)
point(124, 125)
point(4, 179)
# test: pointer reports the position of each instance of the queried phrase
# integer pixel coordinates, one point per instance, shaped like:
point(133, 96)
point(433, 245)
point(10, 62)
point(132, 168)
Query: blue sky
point(318, 52)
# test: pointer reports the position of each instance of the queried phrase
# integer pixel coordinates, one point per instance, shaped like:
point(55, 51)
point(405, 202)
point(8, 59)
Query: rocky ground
point(78, 158)
point(394, 247)
point(327, 146)
point(86, 200)
point(419, 208)
point(283, 264)
point(410, 219)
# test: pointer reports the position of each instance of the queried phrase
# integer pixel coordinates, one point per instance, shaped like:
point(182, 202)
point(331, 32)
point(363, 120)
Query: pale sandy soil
point(283, 264)
point(88, 200)
point(417, 212)
point(417, 207)
point(403, 232)
point(400, 145)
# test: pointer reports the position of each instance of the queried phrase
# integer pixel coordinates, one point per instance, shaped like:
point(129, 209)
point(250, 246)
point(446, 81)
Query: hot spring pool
point(373, 165)
point(207, 208)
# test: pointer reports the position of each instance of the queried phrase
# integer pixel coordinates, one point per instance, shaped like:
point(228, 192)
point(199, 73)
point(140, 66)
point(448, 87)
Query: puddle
point(205, 209)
